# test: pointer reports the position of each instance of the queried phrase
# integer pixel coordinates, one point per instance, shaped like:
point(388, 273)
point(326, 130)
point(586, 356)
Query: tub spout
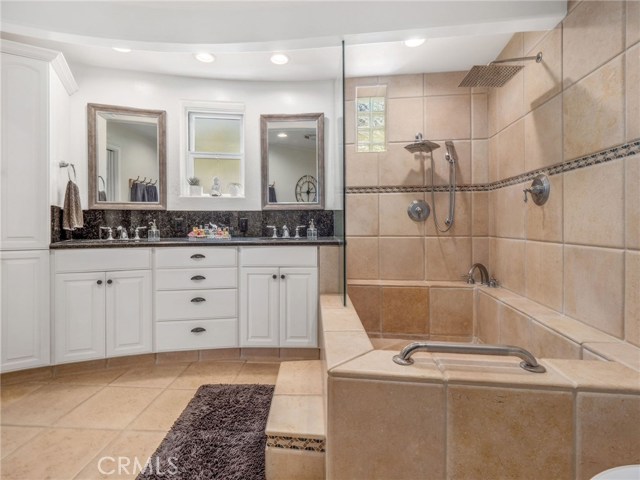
point(529, 362)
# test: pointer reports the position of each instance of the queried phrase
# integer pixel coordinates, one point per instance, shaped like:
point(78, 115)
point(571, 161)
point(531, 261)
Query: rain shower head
point(422, 146)
point(494, 75)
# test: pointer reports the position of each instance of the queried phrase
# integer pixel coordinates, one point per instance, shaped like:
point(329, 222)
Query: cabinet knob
point(198, 300)
point(274, 276)
point(198, 330)
point(197, 255)
point(99, 282)
point(282, 277)
point(198, 277)
point(109, 282)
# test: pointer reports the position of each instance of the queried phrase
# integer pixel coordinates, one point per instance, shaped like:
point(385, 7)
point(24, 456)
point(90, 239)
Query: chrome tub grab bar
point(529, 362)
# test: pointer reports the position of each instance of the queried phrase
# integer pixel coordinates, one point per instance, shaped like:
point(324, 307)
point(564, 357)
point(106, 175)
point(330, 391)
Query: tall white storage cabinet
point(33, 81)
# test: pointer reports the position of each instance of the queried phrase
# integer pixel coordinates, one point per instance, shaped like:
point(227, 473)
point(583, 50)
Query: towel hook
point(66, 165)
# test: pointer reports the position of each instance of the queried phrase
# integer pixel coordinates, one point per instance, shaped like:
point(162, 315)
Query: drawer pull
point(198, 277)
point(274, 276)
point(197, 256)
point(99, 282)
point(198, 300)
point(198, 330)
point(109, 282)
point(282, 277)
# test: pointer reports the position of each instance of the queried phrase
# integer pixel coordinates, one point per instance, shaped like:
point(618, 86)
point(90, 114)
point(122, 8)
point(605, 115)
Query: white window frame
point(220, 110)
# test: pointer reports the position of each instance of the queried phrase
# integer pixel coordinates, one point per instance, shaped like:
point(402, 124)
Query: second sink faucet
point(123, 233)
point(485, 279)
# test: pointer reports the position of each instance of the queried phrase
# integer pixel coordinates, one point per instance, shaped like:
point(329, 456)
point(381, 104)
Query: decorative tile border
point(614, 153)
point(296, 443)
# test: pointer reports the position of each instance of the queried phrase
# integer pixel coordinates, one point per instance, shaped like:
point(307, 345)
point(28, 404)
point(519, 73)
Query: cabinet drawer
point(196, 278)
point(179, 335)
point(194, 304)
point(184, 257)
point(102, 259)
point(279, 256)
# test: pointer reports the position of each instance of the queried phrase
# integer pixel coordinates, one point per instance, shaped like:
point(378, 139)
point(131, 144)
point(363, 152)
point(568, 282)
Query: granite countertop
point(185, 242)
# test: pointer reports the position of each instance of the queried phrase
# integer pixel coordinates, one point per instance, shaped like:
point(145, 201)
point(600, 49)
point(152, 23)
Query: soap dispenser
point(154, 233)
point(312, 231)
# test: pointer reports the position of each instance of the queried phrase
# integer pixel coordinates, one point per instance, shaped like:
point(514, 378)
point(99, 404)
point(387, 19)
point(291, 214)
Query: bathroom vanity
point(142, 297)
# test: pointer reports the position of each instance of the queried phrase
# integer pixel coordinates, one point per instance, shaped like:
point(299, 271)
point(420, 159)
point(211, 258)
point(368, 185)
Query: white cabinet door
point(259, 312)
point(79, 316)
point(128, 313)
point(298, 307)
point(24, 189)
point(25, 309)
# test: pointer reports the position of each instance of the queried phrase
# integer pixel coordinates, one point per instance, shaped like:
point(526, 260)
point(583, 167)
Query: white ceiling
point(242, 34)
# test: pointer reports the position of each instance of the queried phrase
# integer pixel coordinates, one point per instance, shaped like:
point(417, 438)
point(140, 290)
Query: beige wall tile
point(508, 211)
point(362, 258)
point(508, 262)
point(607, 432)
point(404, 119)
point(492, 112)
point(632, 202)
point(399, 86)
point(441, 171)
point(592, 35)
point(511, 95)
point(633, 22)
point(180, 357)
point(543, 135)
point(352, 83)
point(479, 161)
point(286, 463)
point(546, 343)
point(593, 111)
point(632, 298)
point(492, 156)
point(480, 253)
point(366, 301)
point(405, 310)
point(219, 354)
point(543, 282)
point(447, 258)
point(462, 214)
point(480, 222)
point(349, 122)
point(354, 404)
point(487, 318)
point(593, 287)
point(448, 117)
point(451, 311)
point(590, 222)
point(330, 271)
point(361, 168)
point(532, 39)
point(633, 93)
point(445, 83)
point(399, 167)
point(362, 214)
point(490, 445)
point(511, 149)
point(514, 327)
point(544, 80)
point(401, 258)
point(479, 127)
point(394, 220)
point(544, 222)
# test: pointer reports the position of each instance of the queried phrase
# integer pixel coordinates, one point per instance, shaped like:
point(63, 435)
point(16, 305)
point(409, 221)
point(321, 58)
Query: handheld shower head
point(450, 154)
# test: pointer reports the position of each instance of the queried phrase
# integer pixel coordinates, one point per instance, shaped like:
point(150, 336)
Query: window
point(216, 148)
point(371, 125)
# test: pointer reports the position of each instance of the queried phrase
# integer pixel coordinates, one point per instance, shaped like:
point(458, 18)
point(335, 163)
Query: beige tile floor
point(69, 426)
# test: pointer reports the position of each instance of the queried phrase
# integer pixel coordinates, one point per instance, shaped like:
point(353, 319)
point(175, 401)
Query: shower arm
point(537, 58)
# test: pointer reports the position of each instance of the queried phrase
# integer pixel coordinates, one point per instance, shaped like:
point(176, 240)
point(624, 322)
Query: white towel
point(72, 210)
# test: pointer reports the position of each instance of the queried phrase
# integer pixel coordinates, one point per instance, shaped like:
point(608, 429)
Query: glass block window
point(215, 147)
point(371, 119)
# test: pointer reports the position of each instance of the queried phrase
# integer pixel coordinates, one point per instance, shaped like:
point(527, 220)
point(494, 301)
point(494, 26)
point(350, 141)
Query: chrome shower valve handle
point(539, 190)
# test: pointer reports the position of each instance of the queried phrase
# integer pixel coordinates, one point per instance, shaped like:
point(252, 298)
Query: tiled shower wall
point(578, 254)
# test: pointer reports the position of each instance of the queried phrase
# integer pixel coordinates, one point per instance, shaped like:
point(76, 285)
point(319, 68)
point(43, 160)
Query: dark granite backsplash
point(167, 222)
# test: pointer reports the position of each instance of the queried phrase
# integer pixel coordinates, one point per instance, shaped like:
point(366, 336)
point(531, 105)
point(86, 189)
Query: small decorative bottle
point(312, 231)
point(154, 233)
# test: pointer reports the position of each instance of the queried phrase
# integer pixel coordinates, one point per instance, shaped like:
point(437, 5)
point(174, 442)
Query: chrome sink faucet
point(485, 279)
point(109, 232)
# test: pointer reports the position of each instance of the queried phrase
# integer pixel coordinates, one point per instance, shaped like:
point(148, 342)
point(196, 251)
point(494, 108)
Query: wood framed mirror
point(127, 158)
point(292, 151)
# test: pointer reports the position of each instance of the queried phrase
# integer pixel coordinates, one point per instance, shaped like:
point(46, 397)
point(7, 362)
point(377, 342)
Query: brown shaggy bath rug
point(220, 435)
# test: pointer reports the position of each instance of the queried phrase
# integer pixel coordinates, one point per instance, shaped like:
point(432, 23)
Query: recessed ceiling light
point(122, 49)
point(279, 59)
point(282, 135)
point(205, 57)
point(414, 42)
